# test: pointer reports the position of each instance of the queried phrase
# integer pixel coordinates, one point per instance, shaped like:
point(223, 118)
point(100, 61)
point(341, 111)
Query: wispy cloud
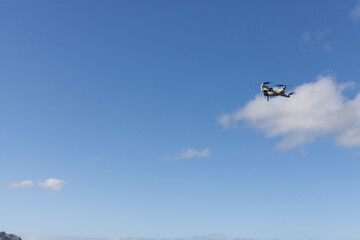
point(328, 47)
point(95, 159)
point(225, 120)
point(22, 184)
point(48, 184)
point(317, 109)
point(317, 39)
point(355, 12)
point(305, 37)
point(189, 153)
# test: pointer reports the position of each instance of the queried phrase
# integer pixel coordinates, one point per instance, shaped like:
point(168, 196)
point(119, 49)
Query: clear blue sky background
point(96, 93)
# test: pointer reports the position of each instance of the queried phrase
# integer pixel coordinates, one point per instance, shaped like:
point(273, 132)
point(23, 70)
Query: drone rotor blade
point(280, 85)
point(266, 82)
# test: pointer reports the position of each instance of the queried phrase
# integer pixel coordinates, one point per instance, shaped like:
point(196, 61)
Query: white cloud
point(317, 109)
point(190, 153)
point(52, 184)
point(23, 184)
point(48, 184)
point(355, 12)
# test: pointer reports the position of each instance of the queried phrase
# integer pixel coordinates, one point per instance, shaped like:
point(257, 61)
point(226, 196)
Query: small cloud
point(190, 153)
point(48, 184)
point(355, 12)
point(318, 109)
point(328, 47)
point(318, 36)
point(52, 184)
point(23, 184)
point(317, 39)
point(305, 37)
point(225, 120)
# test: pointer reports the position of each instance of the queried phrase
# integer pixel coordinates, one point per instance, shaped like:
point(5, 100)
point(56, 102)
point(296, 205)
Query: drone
point(279, 90)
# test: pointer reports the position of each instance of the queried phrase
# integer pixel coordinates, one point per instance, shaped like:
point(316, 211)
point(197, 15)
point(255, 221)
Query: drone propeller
point(280, 85)
point(264, 83)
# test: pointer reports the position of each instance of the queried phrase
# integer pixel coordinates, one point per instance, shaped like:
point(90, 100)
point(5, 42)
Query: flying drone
point(279, 90)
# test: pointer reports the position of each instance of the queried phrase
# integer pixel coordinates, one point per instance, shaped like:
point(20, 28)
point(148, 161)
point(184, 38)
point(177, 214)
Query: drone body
point(279, 90)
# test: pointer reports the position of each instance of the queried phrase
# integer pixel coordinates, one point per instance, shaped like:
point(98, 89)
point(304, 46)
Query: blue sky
point(110, 119)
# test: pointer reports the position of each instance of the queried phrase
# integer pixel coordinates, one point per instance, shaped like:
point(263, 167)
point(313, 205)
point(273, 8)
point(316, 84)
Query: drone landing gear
point(267, 97)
